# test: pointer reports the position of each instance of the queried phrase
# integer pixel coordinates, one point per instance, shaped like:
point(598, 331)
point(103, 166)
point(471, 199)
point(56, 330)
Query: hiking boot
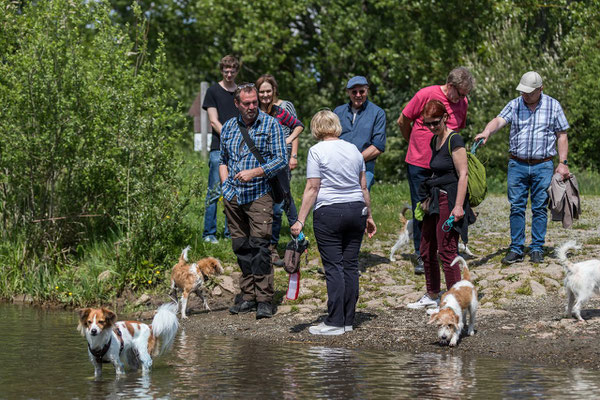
point(323, 329)
point(512, 257)
point(275, 260)
point(265, 310)
point(419, 267)
point(536, 256)
point(211, 239)
point(423, 302)
point(348, 328)
point(244, 307)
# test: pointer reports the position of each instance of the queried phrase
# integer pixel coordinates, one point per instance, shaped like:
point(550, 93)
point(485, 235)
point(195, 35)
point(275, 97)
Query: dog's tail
point(561, 253)
point(184, 253)
point(403, 217)
point(165, 325)
point(463, 267)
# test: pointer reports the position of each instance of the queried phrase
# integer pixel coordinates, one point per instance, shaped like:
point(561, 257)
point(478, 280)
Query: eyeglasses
point(432, 123)
point(461, 95)
point(356, 91)
point(245, 86)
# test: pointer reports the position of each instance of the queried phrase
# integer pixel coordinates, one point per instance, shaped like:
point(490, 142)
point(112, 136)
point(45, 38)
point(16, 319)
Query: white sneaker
point(348, 328)
point(323, 329)
point(423, 302)
point(433, 310)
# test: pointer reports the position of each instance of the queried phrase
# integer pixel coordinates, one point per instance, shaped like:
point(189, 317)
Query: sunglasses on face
point(357, 91)
point(245, 86)
point(432, 124)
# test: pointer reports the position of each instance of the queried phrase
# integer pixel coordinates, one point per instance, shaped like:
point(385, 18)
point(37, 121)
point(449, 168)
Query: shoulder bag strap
point(250, 144)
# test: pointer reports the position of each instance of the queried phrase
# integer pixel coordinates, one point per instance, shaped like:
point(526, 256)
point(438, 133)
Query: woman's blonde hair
point(325, 123)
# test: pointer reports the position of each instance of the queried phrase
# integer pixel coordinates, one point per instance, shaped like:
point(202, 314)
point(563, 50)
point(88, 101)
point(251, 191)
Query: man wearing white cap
point(363, 124)
point(537, 132)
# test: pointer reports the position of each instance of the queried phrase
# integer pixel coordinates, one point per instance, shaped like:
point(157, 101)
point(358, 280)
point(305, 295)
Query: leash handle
point(476, 145)
point(448, 224)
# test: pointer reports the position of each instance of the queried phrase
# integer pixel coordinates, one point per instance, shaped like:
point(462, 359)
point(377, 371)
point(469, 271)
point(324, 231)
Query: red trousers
point(435, 242)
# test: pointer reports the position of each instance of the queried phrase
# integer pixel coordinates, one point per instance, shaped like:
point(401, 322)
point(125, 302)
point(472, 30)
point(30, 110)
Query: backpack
point(477, 183)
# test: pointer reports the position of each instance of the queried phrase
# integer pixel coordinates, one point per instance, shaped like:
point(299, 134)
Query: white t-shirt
point(338, 164)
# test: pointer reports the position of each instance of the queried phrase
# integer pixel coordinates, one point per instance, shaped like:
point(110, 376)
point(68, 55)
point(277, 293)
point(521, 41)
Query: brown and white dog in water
point(454, 306)
point(134, 342)
point(189, 278)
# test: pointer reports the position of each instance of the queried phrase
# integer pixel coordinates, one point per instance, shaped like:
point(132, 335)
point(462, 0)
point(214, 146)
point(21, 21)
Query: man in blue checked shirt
point(537, 132)
point(247, 197)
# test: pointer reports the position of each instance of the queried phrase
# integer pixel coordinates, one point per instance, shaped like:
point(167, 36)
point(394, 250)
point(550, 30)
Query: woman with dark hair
point(448, 213)
point(285, 113)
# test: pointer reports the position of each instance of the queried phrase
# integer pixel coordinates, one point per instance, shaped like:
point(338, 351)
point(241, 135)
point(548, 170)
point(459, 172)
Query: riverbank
point(521, 315)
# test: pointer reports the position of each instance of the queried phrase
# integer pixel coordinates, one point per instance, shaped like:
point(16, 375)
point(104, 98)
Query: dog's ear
point(111, 317)
point(83, 314)
point(434, 318)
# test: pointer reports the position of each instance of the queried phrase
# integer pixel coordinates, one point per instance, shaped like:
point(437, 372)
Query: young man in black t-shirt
point(218, 102)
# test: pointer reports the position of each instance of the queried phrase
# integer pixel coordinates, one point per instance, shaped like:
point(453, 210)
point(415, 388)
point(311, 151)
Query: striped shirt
point(533, 133)
point(269, 140)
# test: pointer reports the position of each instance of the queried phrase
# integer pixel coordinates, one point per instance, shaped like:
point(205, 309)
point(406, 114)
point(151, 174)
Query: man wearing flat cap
point(363, 124)
point(537, 134)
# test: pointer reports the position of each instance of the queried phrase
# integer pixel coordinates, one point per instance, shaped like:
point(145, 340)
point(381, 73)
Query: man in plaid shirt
point(537, 133)
point(247, 197)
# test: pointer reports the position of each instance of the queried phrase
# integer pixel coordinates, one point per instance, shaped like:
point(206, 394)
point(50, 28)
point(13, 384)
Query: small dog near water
point(134, 342)
point(581, 281)
point(406, 236)
point(454, 306)
point(189, 278)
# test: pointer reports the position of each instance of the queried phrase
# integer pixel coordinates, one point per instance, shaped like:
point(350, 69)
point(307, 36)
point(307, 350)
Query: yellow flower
point(157, 272)
point(70, 294)
point(168, 217)
point(150, 281)
point(56, 287)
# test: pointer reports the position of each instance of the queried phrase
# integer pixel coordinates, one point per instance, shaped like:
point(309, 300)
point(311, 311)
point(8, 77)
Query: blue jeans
point(416, 176)
point(213, 194)
point(291, 212)
point(525, 180)
point(370, 179)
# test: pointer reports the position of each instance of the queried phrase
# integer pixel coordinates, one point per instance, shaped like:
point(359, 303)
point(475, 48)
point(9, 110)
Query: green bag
point(477, 183)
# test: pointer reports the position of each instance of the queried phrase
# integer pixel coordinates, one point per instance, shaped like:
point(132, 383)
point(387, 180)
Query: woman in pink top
point(453, 96)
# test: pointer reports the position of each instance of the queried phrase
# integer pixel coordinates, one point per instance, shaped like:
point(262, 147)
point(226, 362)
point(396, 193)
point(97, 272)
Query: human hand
point(293, 163)
point(245, 176)
point(483, 136)
point(296, 228)
point(371, 228)
point(563, 170)
point(458, 213)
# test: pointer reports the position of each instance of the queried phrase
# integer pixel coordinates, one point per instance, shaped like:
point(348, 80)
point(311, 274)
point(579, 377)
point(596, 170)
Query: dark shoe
point(243, 307)
point(419, 267)
point(275, 260)
point(265, 310)
point(536, 256)
point(512, 257)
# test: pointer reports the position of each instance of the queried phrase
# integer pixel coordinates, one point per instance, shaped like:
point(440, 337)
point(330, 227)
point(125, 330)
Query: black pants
point(339, 230)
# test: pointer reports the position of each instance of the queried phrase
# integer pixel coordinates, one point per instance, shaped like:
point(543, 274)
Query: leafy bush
point(89, 141)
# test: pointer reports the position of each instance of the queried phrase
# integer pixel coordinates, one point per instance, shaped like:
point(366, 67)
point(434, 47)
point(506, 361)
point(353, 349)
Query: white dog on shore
point(454, 306)
point(581, 281)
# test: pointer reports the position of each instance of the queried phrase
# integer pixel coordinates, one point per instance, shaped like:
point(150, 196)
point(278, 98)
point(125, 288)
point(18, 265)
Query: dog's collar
point(99, 354)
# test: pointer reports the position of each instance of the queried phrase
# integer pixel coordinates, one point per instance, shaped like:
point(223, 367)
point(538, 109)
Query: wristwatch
point(565, 162)
point(295, 156)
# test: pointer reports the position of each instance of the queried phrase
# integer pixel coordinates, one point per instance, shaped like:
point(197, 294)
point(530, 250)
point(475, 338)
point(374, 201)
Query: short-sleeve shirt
point(419, 150)
point(364, 130)
point(221, 99)
point(441, 160)
point(338, 164)
point(533, 133)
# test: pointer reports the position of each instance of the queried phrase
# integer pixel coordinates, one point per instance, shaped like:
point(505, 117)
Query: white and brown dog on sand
point(134, 342)
point(581, 281)
point(454, 306)
point(189, 278)
point(406, 236)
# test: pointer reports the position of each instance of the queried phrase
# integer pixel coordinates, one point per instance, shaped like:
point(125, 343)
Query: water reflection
point(44, 357)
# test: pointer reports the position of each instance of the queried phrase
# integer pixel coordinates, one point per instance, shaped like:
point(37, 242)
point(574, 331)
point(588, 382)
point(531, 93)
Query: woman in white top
point(337, 187)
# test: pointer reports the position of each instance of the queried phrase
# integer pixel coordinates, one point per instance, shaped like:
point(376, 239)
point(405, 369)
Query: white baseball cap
point(529, 82)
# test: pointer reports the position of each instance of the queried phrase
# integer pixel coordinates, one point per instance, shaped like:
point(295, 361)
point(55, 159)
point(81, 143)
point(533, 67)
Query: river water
point(42, 356)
